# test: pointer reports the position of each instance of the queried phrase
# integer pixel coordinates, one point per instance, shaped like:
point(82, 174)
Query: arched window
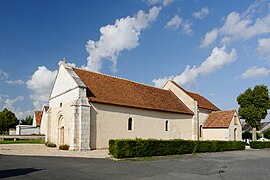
point(200, 130)
point(61, 105)
point(166, 125)
point(130, 123)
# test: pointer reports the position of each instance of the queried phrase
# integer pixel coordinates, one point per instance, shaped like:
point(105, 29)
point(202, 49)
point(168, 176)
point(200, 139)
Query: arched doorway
point(61, 131)
point(235, 134)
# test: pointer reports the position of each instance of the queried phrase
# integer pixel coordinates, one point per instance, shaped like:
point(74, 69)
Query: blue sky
point(215, 48)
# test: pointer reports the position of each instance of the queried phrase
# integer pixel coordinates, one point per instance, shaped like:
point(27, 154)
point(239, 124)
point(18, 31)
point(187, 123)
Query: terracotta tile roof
point(112, 90)
point(219, 119)
point(202, 101)
point(38, 115)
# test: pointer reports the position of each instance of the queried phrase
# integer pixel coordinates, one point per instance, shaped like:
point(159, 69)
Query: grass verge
point(31, 141)
point(151, 158)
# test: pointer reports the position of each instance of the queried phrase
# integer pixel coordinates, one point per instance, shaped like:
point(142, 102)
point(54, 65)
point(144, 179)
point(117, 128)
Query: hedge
point(125, 148)
point(260, 144)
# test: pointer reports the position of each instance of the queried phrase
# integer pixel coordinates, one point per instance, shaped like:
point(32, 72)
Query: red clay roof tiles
point(202, 101)
point(38, 115)
point(111, 90)
point(219, 119)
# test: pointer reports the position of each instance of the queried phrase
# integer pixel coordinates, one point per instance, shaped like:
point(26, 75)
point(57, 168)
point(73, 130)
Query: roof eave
point(146, 108)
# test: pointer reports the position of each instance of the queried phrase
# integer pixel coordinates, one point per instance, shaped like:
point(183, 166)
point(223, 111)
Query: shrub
point(49, 144)
point(246, 135)
point(124, 148)
point(259, 144)
point(266, 134)
point(64, 147)
point(258, 135)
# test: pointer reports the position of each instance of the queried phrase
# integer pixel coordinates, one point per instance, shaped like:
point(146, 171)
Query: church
point(87, 109)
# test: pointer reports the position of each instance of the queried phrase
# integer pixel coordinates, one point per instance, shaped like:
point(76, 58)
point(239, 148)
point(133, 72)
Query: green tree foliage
point(27, 121)
point(7, 120)
point(254, 105)
point(266, 134)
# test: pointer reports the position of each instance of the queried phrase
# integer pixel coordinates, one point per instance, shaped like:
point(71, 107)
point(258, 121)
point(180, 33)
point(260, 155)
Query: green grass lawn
point(152, 158)
point(22, 142)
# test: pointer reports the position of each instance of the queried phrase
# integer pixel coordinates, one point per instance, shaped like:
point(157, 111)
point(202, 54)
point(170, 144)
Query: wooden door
point(62, 135)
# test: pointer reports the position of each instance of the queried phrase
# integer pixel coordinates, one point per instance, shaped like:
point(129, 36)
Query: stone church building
point(87, 109)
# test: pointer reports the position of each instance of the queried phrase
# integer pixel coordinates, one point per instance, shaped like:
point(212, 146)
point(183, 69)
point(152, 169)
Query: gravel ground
point(42, 150)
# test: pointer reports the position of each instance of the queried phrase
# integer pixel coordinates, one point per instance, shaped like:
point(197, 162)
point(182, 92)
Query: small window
point(200, 131)
point(166, 125)
point(61, 105)
point(130, 123)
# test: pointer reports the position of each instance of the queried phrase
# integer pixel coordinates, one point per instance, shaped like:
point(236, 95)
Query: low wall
point(22, 137)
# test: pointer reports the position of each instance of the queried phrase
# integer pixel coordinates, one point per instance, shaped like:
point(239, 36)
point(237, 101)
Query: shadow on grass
point(16, 172)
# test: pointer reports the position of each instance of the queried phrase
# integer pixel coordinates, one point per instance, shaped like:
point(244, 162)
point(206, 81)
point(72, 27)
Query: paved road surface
point(249, 164)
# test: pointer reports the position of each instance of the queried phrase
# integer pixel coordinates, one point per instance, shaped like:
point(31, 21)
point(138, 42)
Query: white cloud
point(174, 23)
point(41, 84)
point(156, 2)
point(254, 72)
point(264, 45)
point(123, 35)
point(3, 74)
point(209, 38)
point(239, 26)
point(186, 27)
point(15, 82)
point(10, 104)
point(218, 58)
point(202, 13)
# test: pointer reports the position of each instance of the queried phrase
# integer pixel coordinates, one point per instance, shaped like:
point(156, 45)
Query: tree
point(253, 106)
point(266, 134)
point(7, 120)
point(27, 121)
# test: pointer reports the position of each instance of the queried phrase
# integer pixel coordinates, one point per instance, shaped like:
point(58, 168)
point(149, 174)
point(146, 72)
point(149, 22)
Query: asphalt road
point(249, 164)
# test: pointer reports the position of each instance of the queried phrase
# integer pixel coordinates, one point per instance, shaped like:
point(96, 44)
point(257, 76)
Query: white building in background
point(39, 124)
point(44, 120)
point(87, 109)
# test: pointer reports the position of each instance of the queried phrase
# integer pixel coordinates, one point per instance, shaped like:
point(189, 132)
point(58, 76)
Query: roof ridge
point(119, 78)
point(224, 110)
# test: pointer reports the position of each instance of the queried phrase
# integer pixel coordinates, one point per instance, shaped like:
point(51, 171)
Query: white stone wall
point(184, 97)
point(224, 133)
point(203, 115)
point(216, 134)
point(63, 83)
point(111, 122)
point(238, 129)
point(189, 102)
point(69, 110)
point(26, 130)
point(44, 121)
point(34, 123)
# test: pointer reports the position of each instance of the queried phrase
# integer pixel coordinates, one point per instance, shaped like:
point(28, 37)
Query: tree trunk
point(254, 135)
